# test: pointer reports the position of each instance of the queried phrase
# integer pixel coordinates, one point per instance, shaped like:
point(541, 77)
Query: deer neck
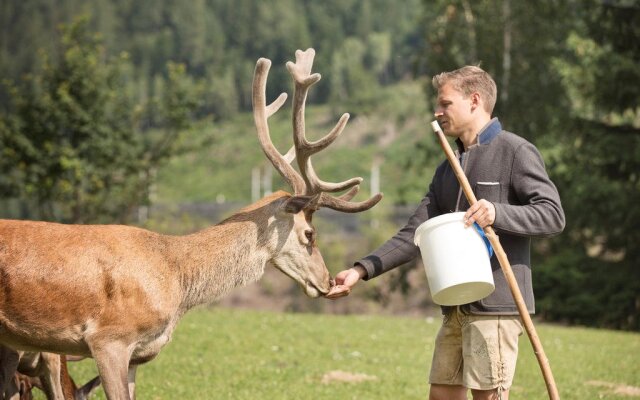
point(228, 255)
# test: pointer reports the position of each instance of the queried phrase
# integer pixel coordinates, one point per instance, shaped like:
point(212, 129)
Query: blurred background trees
point(71, 146)
point(596, 164)
point(141, 103)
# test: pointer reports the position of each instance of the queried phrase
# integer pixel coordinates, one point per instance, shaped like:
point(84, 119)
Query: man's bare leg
point(490, 394)
point(447, 392)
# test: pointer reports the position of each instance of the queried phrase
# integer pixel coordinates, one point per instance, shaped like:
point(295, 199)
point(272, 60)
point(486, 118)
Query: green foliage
point(218, 41)
point(574, 290)
point(352, 85)
point(232, 354)
point(514, 43)
point(70, 122)
point(70, 144)
point(596, 166)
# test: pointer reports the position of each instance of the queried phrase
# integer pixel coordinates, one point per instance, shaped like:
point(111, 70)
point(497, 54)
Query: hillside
point(388, 136)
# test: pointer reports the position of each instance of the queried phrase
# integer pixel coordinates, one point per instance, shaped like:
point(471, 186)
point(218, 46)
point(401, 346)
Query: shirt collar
point(486, 134)
point(490, 130)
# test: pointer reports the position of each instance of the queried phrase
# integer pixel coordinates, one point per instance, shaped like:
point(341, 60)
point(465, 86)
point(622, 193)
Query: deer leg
point(85, 391)
point(13, 389)
point(69, 388)
point(112, 360)
point(67, 384)
point(131, 376)
point(51, 376)
point(9, 360)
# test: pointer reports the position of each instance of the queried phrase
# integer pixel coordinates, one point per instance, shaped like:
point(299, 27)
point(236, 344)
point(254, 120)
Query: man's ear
point(295, 204)
point(476, 100)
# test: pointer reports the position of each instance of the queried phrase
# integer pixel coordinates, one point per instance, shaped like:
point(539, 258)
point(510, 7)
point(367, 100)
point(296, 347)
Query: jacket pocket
point(502, 297)
point(489, 191)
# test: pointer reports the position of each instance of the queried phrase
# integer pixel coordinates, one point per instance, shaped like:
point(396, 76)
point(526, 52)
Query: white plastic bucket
point(455, 259)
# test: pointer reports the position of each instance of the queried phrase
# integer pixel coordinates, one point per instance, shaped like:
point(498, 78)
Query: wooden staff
point(543, 361)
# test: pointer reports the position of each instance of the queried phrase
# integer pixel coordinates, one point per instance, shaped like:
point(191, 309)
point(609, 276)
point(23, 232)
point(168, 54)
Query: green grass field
point(238, 354)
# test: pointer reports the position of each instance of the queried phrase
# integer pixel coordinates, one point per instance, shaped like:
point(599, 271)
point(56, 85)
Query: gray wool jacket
point(508, 171)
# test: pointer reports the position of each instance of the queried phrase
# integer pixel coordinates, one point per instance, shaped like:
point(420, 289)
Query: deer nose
point(310, 235)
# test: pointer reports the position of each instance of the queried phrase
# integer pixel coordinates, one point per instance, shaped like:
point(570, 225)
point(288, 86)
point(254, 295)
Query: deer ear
point(295, 204)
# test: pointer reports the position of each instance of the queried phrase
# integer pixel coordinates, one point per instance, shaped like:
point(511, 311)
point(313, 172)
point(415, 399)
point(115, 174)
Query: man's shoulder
point(506, 138)
point(511, 145)
point(511, 137)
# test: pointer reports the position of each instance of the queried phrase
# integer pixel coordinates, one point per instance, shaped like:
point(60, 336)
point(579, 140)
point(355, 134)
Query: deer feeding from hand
point(116, 293)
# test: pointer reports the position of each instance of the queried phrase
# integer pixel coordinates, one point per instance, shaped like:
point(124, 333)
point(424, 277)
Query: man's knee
point(494, 394)
point(447, 392)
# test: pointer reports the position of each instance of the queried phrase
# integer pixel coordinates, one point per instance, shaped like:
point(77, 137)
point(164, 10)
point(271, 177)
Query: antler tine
point(301, 73)
point(350, 194)
point(316, 185)
point(304, 79)
point(321, 144)
point(339, 204)
point(261, 112)
point(291, 154)
point(275, 106)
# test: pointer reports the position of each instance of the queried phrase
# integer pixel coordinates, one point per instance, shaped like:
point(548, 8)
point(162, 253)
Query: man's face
point(453, 111)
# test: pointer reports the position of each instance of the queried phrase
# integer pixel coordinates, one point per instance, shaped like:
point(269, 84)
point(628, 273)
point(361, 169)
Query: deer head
point(300, 257)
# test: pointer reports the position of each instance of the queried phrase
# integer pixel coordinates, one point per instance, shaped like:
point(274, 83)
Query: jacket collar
point(486, 134)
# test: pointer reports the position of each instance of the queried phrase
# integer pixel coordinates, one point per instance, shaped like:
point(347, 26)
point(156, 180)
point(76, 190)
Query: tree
point(597, 166)
point(353, 87)
point(69, 144)
point(500, 40)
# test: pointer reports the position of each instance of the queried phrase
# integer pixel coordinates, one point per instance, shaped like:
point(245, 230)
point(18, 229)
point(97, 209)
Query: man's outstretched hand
point(344, 281)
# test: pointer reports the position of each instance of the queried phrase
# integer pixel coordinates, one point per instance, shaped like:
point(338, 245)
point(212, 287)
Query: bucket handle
point(485, 238)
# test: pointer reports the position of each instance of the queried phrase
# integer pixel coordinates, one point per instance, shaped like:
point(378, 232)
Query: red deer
point(19, 388)
point(116, 293)
point(46, 371)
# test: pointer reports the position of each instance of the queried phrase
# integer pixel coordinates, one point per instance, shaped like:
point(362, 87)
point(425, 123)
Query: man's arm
point(539, 212)
point(400, 248)
point(396, 251)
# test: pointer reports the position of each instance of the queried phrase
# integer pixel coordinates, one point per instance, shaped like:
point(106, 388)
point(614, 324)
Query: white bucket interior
point(455, 259)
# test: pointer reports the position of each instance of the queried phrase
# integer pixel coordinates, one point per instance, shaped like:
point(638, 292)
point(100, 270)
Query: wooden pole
point(543, 361)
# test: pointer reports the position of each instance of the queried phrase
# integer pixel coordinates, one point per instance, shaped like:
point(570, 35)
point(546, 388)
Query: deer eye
point(310, 235)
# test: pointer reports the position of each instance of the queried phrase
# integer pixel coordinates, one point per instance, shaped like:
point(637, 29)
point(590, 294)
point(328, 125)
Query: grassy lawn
point(239, 354)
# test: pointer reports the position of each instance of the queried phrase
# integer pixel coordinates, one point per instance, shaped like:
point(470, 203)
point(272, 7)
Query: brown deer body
point(116, 293)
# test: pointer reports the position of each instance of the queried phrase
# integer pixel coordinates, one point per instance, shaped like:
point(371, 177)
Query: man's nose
point(438, 113)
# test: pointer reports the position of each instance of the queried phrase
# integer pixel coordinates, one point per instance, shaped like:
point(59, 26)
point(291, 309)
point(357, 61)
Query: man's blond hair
point(467, 80)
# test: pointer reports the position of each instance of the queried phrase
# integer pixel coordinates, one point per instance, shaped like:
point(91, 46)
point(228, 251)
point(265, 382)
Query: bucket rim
point(436, 221)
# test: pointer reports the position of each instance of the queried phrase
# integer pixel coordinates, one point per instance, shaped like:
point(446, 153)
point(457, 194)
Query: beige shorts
point(476, 351)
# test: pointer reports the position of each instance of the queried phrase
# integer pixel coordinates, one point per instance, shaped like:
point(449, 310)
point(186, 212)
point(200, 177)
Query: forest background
point(138, 112)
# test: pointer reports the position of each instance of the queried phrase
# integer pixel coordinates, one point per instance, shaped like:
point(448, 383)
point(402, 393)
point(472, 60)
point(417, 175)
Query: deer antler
point(307, 182)
point(261, 112)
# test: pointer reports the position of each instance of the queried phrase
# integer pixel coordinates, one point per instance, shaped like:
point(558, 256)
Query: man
point(477, 345)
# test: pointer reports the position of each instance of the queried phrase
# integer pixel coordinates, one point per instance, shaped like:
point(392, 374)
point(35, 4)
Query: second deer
point(45, 371)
